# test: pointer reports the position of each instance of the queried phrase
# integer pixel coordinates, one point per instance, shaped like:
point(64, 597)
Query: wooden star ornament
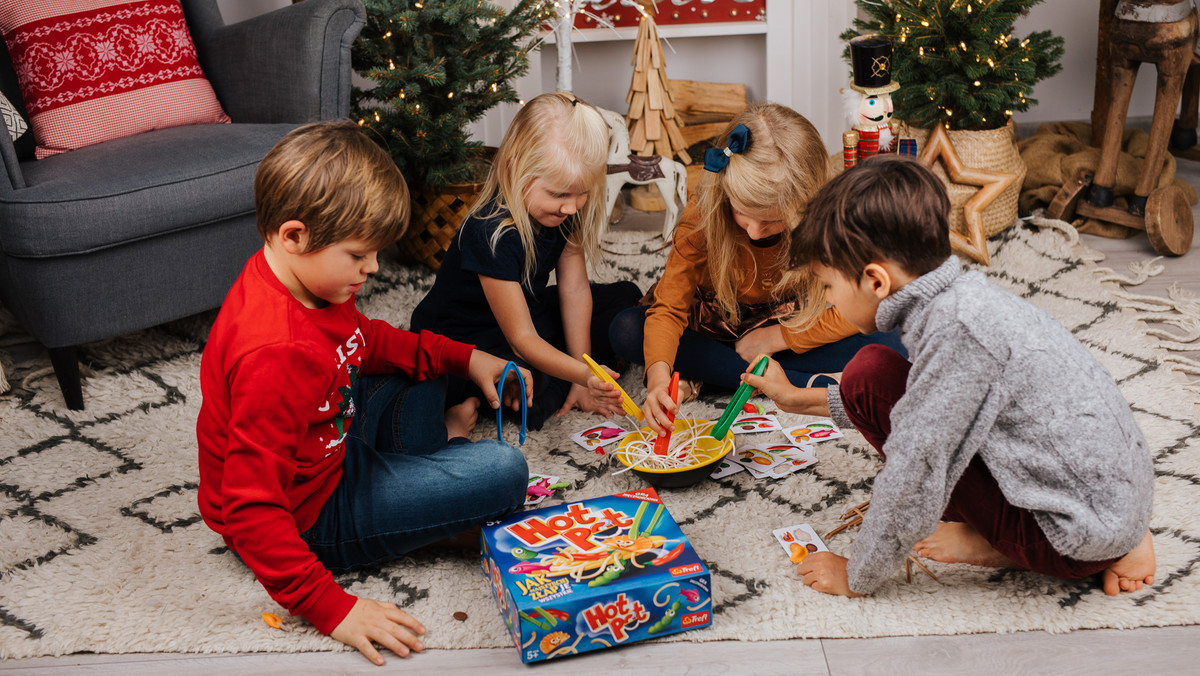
point(991, 184)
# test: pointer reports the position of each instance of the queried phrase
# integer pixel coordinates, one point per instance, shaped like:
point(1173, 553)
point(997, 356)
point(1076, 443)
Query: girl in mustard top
point(725, 295)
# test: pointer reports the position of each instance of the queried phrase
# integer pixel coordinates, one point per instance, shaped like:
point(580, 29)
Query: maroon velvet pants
point(872, 383)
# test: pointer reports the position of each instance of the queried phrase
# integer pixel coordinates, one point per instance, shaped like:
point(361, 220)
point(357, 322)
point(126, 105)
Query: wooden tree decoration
point(653, 127)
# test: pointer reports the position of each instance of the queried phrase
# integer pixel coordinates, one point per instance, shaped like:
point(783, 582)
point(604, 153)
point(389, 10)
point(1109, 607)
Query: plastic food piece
point(273, 621)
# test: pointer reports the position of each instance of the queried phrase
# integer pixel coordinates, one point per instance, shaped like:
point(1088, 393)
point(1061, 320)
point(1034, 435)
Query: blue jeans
point(403, 484)
point(716, 362)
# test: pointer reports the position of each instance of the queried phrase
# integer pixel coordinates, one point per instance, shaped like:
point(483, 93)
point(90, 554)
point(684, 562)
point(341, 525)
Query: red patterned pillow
point(95, 70)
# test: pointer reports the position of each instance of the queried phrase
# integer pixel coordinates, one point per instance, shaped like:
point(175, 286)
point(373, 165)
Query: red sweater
point(272, 426)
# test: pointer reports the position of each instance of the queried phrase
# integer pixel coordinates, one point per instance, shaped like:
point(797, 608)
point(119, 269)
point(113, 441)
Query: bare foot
point(461, 418)
point(955, 542)
point(1133, 570)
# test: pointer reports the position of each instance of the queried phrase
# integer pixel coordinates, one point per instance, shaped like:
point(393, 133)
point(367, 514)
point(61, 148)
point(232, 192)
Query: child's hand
point(605, 394)
point(659, 407)
point(370, 622)
point(485, 371)
point(763, 340)
point(581, 397)
point(826, 572)
point(773, 382)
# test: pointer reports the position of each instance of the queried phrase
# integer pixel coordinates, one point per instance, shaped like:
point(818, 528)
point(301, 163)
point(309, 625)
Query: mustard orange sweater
point(687, 270)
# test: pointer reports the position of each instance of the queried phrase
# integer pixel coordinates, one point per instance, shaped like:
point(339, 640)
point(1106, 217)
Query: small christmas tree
point(437, 66)
point(957, 61)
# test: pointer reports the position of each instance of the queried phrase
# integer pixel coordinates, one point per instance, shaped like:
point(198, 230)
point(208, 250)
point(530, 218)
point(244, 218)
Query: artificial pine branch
point(957, 61)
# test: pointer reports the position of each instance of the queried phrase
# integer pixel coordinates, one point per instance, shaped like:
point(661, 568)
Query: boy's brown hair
point(337, 181)
point(886, 208)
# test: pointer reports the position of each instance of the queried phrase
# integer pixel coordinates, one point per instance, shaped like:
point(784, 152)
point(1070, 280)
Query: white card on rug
point(756, 461)
point(726, 467)
point(539, 488)
point(752, 423)
point(794, 458)
point(817, 430)
point(799, 541)
point(600, 435)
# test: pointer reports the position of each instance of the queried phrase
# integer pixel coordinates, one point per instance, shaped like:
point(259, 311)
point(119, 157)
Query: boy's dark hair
point(887, 208)
point(337, 181)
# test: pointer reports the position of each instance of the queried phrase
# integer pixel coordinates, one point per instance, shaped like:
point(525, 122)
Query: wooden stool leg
point(1166, 100)
point(1183, 135)
point(1100, 100)
point(1124, 75)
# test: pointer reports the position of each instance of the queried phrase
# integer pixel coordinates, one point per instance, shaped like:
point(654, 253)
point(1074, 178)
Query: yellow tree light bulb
point(391, 66)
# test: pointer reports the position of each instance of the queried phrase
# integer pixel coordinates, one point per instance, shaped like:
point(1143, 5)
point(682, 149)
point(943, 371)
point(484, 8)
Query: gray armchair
point(130, 233)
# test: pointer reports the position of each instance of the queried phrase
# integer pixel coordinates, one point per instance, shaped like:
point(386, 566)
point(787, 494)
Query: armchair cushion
point(95, 70)
point(114, 194)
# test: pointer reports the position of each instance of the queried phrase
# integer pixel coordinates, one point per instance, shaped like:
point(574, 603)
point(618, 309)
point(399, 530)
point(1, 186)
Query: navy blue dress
point(457, 307)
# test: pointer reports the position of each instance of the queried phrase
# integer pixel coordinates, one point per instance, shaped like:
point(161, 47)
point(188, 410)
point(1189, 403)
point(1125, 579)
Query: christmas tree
point(437, 66)
point(957, 61)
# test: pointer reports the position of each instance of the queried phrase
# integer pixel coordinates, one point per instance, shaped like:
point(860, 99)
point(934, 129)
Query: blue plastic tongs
point(511, 366)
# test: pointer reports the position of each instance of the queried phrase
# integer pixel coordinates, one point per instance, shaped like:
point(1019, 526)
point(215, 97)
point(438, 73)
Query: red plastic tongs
point(660, 444)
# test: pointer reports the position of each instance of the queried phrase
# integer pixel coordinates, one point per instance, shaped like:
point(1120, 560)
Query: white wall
point(1068, 95)
point(602, 69)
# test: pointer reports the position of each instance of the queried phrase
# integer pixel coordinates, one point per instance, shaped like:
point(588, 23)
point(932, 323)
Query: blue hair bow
point(716, 159)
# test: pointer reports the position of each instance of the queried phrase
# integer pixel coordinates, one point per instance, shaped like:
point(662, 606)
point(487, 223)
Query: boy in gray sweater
point(1006, 443)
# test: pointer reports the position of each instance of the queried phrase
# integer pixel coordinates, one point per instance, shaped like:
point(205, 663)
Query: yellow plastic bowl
point(709, 451)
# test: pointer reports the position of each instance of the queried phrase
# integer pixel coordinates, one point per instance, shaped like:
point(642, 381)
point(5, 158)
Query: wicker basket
point(437, 215)
point(993, 150)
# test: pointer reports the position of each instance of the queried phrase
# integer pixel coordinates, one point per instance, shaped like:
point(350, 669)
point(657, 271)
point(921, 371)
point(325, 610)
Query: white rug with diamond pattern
point(102, 550)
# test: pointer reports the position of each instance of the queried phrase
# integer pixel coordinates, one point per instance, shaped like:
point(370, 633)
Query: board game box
point(594, 574)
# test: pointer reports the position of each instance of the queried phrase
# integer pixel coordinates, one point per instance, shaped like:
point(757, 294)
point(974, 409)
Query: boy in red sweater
point(324, 442)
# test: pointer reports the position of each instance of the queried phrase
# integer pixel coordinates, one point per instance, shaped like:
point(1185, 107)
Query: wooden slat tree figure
point(653, 126)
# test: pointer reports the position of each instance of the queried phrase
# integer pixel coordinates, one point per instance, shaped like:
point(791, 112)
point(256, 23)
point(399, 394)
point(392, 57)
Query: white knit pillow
point(12, 119)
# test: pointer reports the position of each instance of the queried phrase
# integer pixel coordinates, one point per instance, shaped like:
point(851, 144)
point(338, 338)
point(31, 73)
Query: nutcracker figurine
point(869, 102)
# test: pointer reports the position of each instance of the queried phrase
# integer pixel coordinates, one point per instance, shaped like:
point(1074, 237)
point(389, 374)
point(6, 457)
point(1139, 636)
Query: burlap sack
point(1059, 150)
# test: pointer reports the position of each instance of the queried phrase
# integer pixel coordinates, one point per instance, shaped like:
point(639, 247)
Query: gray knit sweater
point(996, 376)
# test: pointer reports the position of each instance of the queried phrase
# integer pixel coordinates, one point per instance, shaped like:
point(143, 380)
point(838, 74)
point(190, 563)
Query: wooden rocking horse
point(1132, 32)
point(669, 176)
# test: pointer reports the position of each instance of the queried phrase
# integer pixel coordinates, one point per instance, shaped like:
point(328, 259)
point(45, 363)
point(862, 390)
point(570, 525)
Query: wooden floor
point(1158, 651)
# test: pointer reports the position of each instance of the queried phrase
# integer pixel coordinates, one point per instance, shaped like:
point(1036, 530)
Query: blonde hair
point(781, 169)
point(557, 136)
point(334, 179)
